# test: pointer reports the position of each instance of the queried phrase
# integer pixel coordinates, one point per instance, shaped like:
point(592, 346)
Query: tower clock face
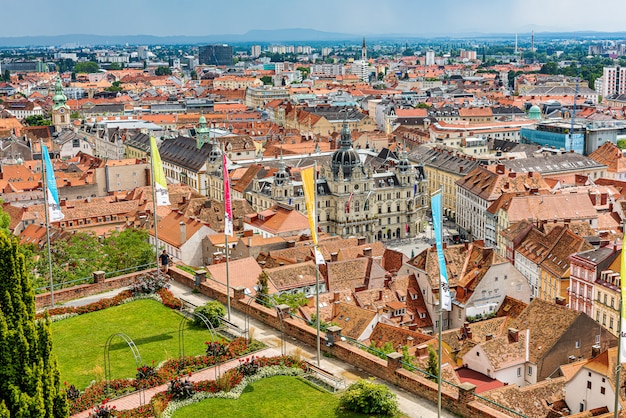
point(61, 110)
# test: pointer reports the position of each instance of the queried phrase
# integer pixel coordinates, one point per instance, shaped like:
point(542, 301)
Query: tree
point(7, 76)
point(194, 75)
point(621, 143)
point(367, 397)
point(305, 71)
point(263, 289)
point(86, 67)
point(37, 120)
point(294, 301)
point(126, 249)
point(267, 80)
point(549, 68)
point(115, 66)
point(433, 363)
point(115, 87)
point(161, 70)
point(29, 377)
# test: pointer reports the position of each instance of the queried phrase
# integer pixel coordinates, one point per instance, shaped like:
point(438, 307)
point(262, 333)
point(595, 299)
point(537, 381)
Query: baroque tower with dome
point(60, 109)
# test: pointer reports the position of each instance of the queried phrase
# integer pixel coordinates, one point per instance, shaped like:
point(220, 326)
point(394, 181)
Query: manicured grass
point(279, 396)
point(79, 342)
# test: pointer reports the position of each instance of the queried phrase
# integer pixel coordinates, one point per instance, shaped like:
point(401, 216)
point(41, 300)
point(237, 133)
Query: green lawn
point(79, 341)
point(279, 396)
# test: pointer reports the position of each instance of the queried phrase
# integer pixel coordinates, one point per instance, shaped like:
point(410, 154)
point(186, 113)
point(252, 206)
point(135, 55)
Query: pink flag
point(228, 209)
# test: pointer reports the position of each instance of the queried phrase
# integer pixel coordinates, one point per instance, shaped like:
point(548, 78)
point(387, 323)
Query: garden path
point(133, 400)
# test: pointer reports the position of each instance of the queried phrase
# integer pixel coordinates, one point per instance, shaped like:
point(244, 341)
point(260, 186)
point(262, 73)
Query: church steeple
point(60, 110)
point(364, 50)
point(203, 133)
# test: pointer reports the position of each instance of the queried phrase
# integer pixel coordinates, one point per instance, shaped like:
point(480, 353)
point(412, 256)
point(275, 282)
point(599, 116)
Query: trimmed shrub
point(367, 397)
point(212, 310)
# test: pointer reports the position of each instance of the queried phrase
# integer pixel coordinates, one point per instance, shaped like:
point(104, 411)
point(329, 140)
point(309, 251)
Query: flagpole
point(317, 269)
point(228, 225)
point(440, 326)
point(46, 208)
point(618, 368)
point(154, 208)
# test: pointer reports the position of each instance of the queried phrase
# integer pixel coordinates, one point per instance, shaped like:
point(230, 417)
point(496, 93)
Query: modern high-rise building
point(215, 55)
point(255, 51)
point(430, 57)
point(613, 81)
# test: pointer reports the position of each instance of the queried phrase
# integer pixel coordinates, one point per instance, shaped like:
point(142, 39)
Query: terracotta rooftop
point(510, 307)
point(293, 276)
point(352, 319)
point(243, 272)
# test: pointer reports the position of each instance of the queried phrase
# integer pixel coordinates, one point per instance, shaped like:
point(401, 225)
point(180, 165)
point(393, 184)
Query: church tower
point(60, 109)
point(364, 51)
point(203, 133)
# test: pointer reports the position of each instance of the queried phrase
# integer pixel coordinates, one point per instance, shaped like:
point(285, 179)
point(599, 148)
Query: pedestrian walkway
point(139, 398)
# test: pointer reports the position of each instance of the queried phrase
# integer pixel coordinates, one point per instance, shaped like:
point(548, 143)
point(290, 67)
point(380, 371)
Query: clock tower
point(60, 109)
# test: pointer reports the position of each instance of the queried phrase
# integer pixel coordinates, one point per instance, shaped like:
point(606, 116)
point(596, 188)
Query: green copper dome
point(534, 113)
point(59, 97)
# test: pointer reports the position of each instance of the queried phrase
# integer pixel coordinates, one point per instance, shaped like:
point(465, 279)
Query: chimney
point(513, 335)
point(422, 351)
point(336, 296)
point(460, 169)
point(559, 300)
point(249, 241)
point(367, 252)
point(603, 197)
point(592, 196)
point(409, 341)
point(335, 309)
point(291, 244)
point(595, 350)
point(488, 337)
point(380, 294)
point(361, 241)
point(530, 174)
point(333, 256)
point(183, 232)
point(500, 169)
point(512, 174)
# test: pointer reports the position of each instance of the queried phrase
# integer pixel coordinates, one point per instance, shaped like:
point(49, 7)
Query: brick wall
point(460, 401)
point(103, 285)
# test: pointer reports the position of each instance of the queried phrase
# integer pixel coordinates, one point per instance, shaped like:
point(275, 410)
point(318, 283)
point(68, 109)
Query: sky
point(368, 17)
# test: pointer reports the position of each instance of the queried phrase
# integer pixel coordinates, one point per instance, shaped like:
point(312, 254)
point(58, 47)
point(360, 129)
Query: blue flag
point(54, 208)
point(444, 298)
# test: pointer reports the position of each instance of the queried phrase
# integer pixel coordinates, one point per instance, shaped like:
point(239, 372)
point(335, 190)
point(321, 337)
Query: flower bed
point(234, 378)
point(148, 376)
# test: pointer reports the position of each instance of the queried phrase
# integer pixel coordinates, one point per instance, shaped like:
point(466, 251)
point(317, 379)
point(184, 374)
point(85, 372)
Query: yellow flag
point(308, 185)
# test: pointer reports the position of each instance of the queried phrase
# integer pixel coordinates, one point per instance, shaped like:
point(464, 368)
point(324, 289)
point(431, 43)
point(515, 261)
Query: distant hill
point(264, 36)
point(278, 35)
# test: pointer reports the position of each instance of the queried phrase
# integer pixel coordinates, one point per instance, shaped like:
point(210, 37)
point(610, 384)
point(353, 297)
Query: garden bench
point(328, 378)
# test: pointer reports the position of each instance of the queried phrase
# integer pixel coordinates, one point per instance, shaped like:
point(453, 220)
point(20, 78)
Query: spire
point(364, 50)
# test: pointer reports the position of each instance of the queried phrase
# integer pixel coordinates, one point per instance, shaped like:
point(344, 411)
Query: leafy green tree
point(267, 80)
point(115, 66)
point(127, 249)
point(115, 87)
point(194, 75)
point(161, 70)
point(29, 378)
point(433, 363)
point(213, 311)
point(263, 289)
point(5, 220)
point(367, 397)
point(294, 301)
point(37, 120)
point(621, 143)
point(549, 68)
point(305, 71)
point(7, 76)
point(86, 67)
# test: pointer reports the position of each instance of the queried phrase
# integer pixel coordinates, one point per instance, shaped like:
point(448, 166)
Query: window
point(588, 384)
point(602, 390)
point(519, 372)
point(577, 343)
point(530, 371)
